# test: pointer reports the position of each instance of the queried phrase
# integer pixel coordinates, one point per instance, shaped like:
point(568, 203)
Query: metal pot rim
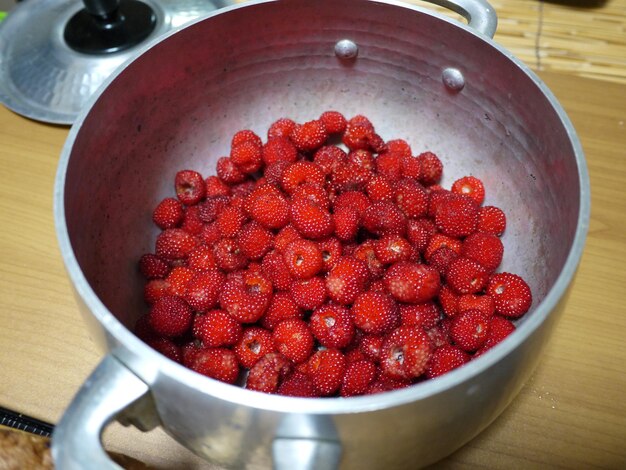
point(461, 376)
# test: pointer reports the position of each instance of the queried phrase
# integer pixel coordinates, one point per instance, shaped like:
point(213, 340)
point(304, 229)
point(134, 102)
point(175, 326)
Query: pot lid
point(55, 53)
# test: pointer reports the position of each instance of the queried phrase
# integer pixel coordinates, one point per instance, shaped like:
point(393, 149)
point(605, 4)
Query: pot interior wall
point(177, 106)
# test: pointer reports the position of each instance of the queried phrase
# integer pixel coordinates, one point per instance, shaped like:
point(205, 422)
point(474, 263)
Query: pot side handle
point(76, 440)
point(480, 15)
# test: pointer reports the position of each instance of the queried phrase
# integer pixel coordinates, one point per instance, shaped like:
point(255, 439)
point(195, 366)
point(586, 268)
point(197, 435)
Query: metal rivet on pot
point(453, 79)
point(346, 49)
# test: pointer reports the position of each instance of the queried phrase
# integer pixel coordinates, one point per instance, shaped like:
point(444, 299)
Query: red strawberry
point(331, 249)
point(310, 220)
point(230, 220)
point(405, 353)
point(438, 241)
point(332, 326)
point(169, 213)
point(326, 368)
point(484, 303)
point(457, 216)
point(155, 289)
point(466, 276)
point(419, 232)
point(358, 377)
point(499, 328)
point(191, 221)
point(215, 187)
point(254, 343)
point(449, 301)
point(166, 347)
point(432, 168)
point(359, 133)
point(346, 221)
point(309, 136)
point(329, 158)
point(371, 346)
point(484, 248)
point(411, 282)
point(303, 258)
point(245, 135)
point(170, 316)
point(209, 209)
point(178, 279)
point(246, 296)
point(384, 218)
point(379, 188)
point(216, 328)
point(217, 363)
point(228, 172)
point(268, 373)
point(492, 220)
point(228, 255)
point(310, 293)
point(276, 270)
point(347, 280)
point(280, 128)
point(312, 193)
point(470, 186)
point(297, 384)
point(442, 258)
point(425, 315)
point(293, 339)
point(375, 313)
point(279, 149)
point(511, 294)
point(411, 198)
point(366, 252)
point(174, 244)
point(190, 187)
point(282, 307)
point(270, 209)
point(469, 329)
point(334, 122)
point(390, 249)
point(353, 199)
point(202, 291)
point(390, 164)
point(255, 241)
point(153, 267)
point(201, 259)
point(247, 156)
point(445, 359)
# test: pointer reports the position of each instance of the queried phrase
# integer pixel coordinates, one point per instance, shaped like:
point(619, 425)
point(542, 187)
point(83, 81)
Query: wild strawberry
point(379, 188)
point(511, 294)
point(191, 221)
point(449, 301)
point(363, 159)
point(470, 186)
point(347, 280)
point(437, 241)
point(399, 146)
point(273, 172)
point(326, 368)
point(436, 198)
point(190, 187)
point(230, 221)
point(166, 347)
point(154, 289)
point(457, 216)
point(353, 199)
point(170, 316)
point(202, 291)
point(228, 255)
point(152, 266)
point(303, 258)
point(228, 172)
point(371, 346)
point(201, 259)
point(384, 218)
point(439, 335)
point(268, 373)
point(366, 252)
point(359, 133)
point(280, 128)
point(297, 384)
point(346, 221)
point(279, 149)
point(411, 282)
point(310, 293)
point(254, 343)
point(375, 313)
point(309, 136)
point(350, 177)
point(484, 248)
point(405, 353)
point(412, 168)
point(312, 193)
point(331, 249)
point(334, 122)
point(169, 213)
point(419, 232)
point(275, 268)
point(432, 168)
point(411, 198)
point(281, 307)
point(174, 244)
point(215, 187)
point(217, 328)
point(445, 359)
point(425, 315)
point(143, 330)
point(466, 276)
point(310, 220)
point(301, 172)
point(217, 363)
point(483, 302)
point(245, 135)
point(358, 377)
point(499, 328)
point(254, 240)
point(332, 326)
point(469, 330)
point(178, 279)
point(389, 165)
point(293, 339)
point(209, 209)
point(329, 158)
point(491, 219)
point(246, 296)
point(390, 249)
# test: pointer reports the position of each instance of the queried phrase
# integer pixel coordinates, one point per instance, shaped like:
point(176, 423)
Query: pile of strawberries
point(304, 269)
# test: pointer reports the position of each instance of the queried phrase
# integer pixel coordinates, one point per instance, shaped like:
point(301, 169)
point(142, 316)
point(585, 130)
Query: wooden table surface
point(571, 414)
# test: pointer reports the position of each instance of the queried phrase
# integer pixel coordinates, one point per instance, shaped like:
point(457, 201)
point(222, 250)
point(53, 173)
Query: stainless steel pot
point(441, 85)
